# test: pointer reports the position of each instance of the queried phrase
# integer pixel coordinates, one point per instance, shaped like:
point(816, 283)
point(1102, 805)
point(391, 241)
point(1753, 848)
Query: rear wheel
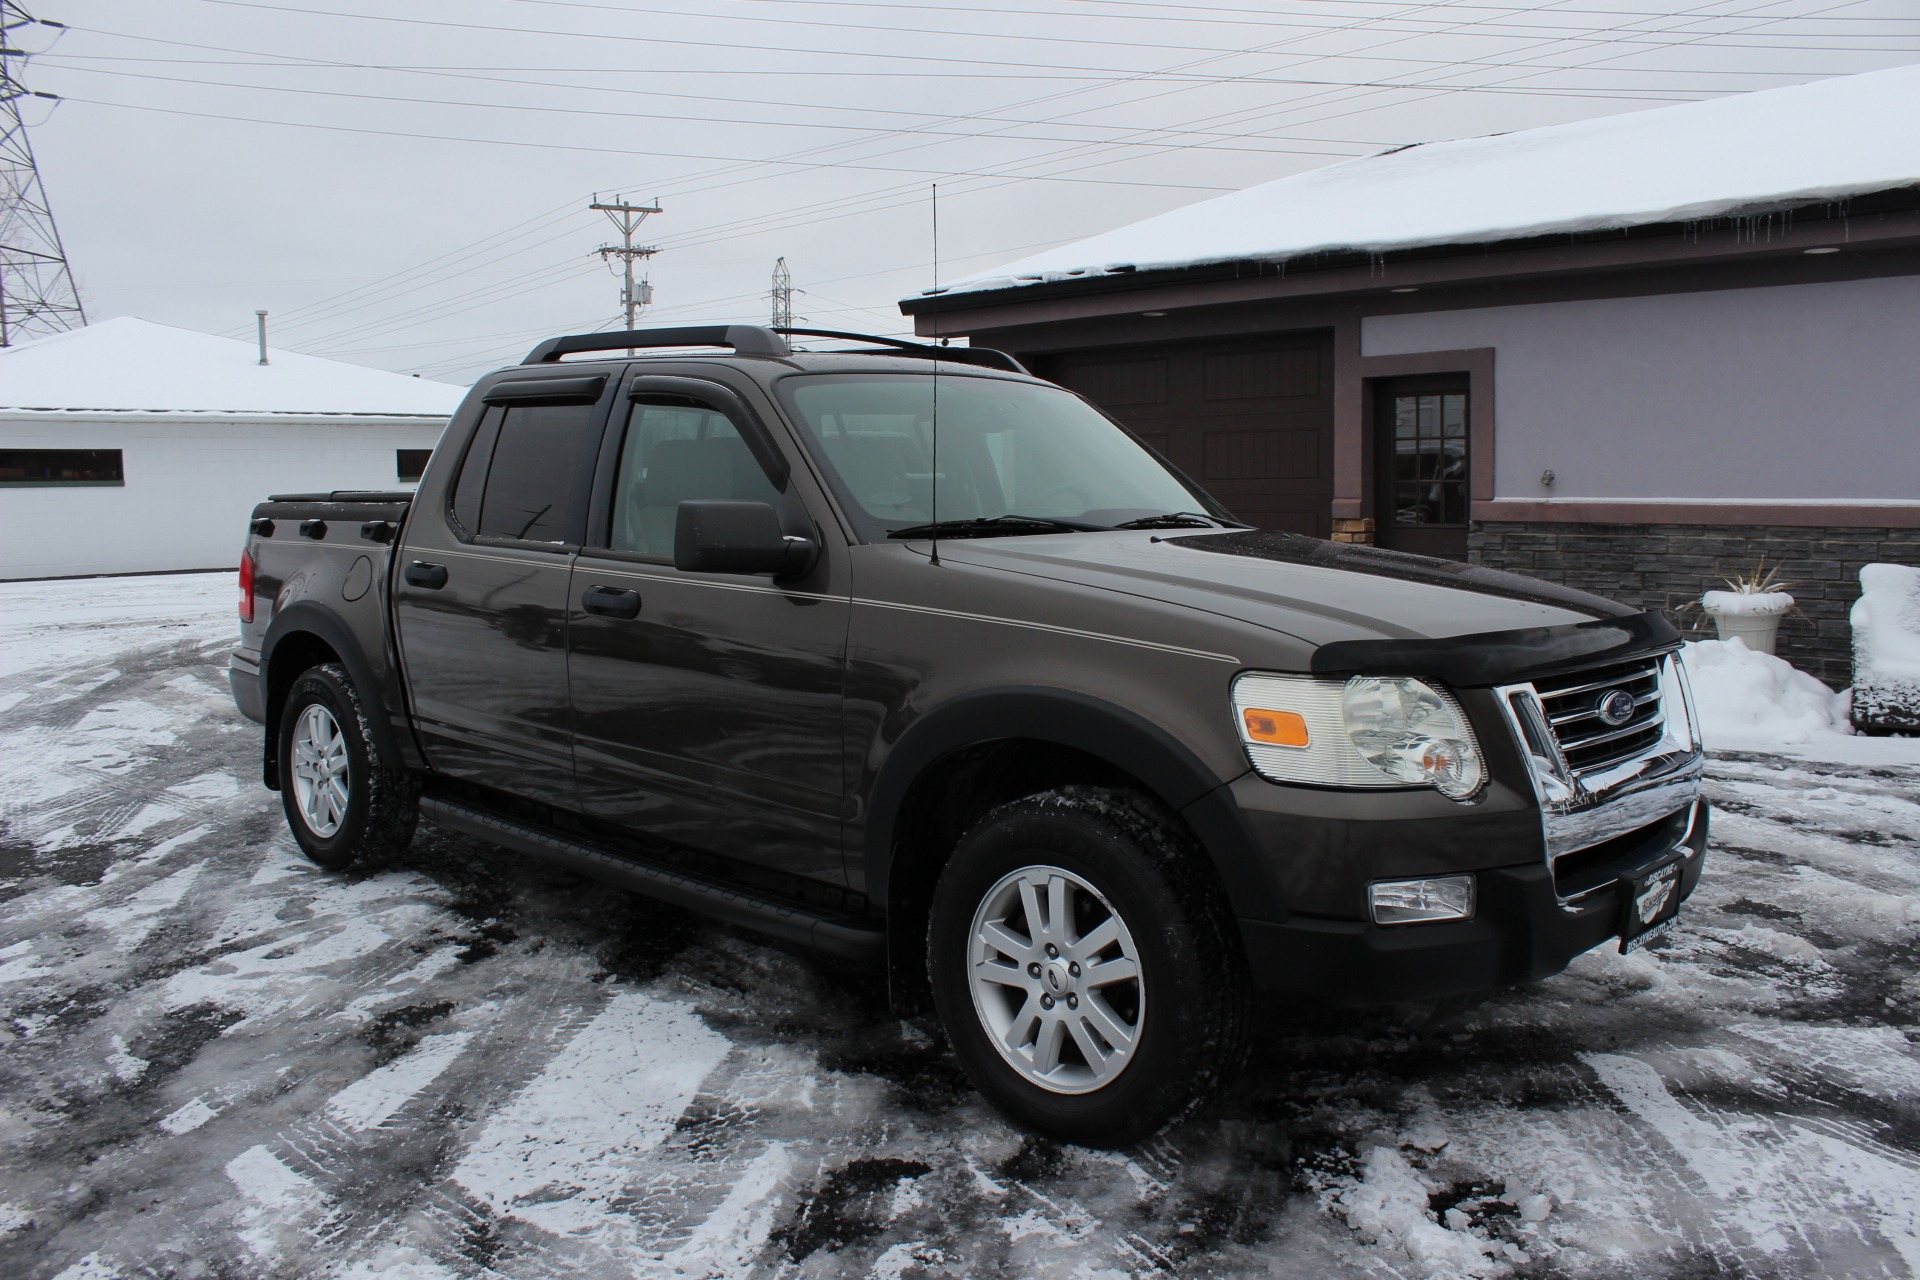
point(1083, 964)
point(348, 807)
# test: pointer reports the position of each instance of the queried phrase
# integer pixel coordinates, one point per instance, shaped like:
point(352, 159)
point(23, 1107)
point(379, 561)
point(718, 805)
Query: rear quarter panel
point(333, 588)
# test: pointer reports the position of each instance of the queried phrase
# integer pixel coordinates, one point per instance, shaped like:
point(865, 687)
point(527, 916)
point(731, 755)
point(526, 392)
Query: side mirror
point(724, 535)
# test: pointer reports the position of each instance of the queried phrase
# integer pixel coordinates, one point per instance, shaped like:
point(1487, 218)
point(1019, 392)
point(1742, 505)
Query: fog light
point(1421, 901)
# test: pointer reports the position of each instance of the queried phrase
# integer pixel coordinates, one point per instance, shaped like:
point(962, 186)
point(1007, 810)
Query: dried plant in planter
point(1750, 608)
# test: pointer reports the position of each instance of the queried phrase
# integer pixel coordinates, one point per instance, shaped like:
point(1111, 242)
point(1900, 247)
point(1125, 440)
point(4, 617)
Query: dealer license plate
point(1653, 901)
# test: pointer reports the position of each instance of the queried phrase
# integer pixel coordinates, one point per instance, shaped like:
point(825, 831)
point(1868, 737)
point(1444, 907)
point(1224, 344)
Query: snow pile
point(1723, 157)
point(128, 365)
point(1392, 1200)
point(1756, 702)
point(1886, 648)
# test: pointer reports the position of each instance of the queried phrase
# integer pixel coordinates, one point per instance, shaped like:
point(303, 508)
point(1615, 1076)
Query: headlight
point(1414, 732)
point(1370, 731)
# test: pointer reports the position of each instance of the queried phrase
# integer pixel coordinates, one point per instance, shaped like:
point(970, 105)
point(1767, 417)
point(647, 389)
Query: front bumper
point(1523, 930)
point(1549, 848)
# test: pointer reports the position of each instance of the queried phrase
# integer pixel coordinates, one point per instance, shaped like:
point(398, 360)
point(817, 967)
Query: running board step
point(836, 935)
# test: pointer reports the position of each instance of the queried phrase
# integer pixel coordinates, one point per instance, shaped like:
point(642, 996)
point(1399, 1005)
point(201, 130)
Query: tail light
point(246, 587)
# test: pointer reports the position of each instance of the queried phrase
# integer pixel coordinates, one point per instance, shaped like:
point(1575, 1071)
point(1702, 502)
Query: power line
point(735, 45)
point(551, 145)
point(1563, 35)
point(762, 123)
point(874, 201)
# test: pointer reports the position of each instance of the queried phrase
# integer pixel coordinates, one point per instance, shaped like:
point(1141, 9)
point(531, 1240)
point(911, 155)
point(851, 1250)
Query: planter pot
point(1754, 620)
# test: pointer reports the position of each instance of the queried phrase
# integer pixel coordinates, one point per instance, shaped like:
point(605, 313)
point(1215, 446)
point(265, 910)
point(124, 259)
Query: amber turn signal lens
point(1276, 728)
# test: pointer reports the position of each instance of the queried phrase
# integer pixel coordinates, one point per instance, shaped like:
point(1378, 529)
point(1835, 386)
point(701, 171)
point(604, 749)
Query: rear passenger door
point(480, 602)
point(707, 707)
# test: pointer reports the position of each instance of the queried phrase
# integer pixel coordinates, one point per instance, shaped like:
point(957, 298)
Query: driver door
point(706, 707)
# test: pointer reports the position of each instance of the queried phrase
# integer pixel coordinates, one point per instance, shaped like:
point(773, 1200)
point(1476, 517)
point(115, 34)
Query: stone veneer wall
point(1663, 566)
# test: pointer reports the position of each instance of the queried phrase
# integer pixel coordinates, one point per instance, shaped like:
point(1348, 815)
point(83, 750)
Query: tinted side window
point(542, 464)
point(677, 449)
point(472, 481)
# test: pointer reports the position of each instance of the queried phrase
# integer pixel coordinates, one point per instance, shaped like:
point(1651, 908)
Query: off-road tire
point(1193, 1026)
point(383, 800)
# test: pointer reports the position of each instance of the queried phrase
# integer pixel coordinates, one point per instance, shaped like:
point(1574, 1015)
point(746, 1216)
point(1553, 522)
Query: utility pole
point(37, 293)
point(782, 295)
point(627, 218)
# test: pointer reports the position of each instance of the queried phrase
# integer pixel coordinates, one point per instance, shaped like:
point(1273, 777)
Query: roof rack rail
point(986, 357)
point(745, 339)
point(756, 340)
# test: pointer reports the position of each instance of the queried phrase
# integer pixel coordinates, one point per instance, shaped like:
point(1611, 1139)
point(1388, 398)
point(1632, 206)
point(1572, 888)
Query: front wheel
point(1083, 964)
point(348, 807)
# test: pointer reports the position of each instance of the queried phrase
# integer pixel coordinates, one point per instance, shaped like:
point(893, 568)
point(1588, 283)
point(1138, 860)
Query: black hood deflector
point(1616, 633)
point(1503, 657)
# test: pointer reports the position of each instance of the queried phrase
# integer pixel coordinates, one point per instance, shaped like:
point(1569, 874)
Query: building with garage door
point(1626, 354)
point(131, 447)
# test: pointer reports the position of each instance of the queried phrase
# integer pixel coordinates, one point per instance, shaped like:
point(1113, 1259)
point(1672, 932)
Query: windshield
point(1006, 449)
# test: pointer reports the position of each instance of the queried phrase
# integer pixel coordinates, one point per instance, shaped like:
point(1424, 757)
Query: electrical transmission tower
point(37, 293)
point(628, 217)
point(782, 295)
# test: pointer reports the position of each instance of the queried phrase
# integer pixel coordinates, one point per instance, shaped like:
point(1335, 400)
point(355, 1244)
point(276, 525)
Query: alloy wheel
point(1056, 980)
point(320, 778)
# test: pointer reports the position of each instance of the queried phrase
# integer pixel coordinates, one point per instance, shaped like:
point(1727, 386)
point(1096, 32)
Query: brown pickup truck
point(901, 653)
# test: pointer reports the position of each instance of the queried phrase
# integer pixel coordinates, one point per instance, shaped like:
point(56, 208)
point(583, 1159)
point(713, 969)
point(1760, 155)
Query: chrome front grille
point(1572, 707)
point(1605, 790)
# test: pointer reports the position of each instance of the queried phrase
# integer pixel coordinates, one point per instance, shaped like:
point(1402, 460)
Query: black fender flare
point(307, 618)
point(1122, 738)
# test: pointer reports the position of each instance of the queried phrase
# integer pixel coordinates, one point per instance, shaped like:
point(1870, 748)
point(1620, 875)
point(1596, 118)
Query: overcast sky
point(404, 183)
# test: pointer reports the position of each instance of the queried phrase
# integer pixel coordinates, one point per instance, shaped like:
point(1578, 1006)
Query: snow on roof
point(1824, 140)
point(135, 365)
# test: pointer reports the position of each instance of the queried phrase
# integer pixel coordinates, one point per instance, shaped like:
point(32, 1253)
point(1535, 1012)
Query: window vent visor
point(1329, 759)
point(582, 390)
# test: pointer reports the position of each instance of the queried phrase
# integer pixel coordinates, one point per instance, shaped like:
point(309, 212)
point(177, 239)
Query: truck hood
point(1320, 592)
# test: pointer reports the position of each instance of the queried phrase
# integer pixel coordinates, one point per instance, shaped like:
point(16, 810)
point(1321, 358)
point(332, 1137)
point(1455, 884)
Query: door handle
point(611, 602)
point(421, 574)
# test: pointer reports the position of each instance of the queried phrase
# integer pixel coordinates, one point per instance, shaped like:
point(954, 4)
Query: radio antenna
point(935, 501)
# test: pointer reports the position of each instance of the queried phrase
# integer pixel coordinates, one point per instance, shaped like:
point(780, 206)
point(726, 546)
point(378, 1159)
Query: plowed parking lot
point(220, 1061)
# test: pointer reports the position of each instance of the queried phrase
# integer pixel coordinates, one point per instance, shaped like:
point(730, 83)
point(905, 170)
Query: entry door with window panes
point(1422, 467)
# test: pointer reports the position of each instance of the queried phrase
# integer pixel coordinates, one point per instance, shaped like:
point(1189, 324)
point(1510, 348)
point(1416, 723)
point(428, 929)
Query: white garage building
point(130, 447)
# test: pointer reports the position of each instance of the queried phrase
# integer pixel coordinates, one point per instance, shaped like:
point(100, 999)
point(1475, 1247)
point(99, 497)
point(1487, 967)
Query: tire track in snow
point(371, 1101)
point(562, 1153)
point(1767, 1175)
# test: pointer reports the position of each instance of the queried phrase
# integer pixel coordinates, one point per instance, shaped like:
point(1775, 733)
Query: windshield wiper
point(1174, 520)
point(993, 527)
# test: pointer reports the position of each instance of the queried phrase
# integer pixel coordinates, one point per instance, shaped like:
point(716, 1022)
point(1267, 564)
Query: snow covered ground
point(220, 1061)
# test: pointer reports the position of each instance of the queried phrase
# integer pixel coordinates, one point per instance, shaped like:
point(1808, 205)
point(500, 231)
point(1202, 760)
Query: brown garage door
point(1252, 421)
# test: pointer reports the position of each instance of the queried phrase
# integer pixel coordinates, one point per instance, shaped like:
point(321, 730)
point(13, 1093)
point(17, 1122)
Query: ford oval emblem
point(1617, 707)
